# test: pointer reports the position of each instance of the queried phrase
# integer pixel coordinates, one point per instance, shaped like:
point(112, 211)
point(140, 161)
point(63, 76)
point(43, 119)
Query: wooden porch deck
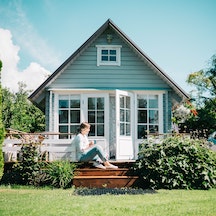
point(61, 149)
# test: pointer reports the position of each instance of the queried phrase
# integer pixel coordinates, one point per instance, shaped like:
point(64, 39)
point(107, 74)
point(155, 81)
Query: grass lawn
point(29, 201)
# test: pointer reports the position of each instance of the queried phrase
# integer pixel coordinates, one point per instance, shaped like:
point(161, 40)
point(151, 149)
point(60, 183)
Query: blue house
point(116, 87)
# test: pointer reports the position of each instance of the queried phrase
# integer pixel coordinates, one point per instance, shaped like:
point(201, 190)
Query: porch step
point(101, 172)
point(88, 176)
point(104, 181)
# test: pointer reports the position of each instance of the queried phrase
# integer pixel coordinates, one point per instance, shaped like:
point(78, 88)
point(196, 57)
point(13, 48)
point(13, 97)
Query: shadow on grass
point(111, 191)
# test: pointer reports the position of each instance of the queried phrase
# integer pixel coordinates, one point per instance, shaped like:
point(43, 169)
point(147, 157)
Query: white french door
point(95, 112)
point(124, 129)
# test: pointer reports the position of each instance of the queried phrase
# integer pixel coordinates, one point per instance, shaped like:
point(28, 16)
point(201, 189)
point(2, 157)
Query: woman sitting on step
point(88, 151)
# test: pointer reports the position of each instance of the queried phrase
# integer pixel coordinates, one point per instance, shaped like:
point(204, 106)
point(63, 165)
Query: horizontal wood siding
point(133, 73)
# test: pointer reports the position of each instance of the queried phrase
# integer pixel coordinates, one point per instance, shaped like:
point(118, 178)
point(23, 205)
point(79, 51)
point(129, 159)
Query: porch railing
point(50, 146)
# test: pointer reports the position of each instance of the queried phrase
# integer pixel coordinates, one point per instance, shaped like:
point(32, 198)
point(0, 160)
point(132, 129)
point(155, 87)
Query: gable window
point(108, 55)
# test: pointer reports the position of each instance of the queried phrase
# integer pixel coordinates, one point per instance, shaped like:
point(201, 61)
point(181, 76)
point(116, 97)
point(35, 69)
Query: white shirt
point(81, 142)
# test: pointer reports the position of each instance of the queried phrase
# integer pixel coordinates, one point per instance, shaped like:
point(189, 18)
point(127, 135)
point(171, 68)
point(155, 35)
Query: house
point(111, 83)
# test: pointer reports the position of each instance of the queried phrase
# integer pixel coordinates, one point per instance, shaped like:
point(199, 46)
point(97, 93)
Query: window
point(125, 116)
point(147, 115)
point(72, 111)
point(96, 115)
point(69, 114)
point(108, 55)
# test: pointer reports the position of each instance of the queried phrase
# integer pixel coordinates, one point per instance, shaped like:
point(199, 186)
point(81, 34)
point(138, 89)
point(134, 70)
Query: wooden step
point(104, 181)
point(101, 172)
point(120, 164)
point(86, 175)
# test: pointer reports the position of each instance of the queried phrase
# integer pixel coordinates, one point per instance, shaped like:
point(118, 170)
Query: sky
point(37, 36)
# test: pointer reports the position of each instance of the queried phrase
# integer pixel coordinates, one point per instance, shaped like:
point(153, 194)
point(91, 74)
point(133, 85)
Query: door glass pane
point(92, 130)
point(63, 129)
point(100, 130)
point(100, 103)
point(91, 116)
point(153, 116)
point(122, 115)
point(91, 103)
point(153, 101)
point(75, 103)
point(63, 103)
point(100, 116)
point(142, 116)
point(128, 133)
point(121, 101)
point(153, 128)
point(142, 101)
point(142, 131)
point(122, 129)
point(63, 116)
point(74, 116)
point(128, 102)
point(74, 128)
point(127, 115)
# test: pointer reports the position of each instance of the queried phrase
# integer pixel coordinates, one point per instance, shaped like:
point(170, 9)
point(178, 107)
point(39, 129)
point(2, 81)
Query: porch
point(61, 149)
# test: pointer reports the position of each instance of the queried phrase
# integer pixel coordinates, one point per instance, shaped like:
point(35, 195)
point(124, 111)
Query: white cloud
point(35, 46)
point(33, 75)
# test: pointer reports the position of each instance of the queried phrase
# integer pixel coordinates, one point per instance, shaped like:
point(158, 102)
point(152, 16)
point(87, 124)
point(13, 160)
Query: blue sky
point(178, 35)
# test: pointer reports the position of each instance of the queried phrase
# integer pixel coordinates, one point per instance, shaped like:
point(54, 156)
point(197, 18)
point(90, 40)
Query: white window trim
point(118, 54)
point(160, 109)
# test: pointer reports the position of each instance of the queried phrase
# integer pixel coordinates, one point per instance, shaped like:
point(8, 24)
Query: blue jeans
point(94, 153)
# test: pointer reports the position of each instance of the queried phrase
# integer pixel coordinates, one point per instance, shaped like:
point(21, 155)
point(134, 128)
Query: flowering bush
point(180, 114)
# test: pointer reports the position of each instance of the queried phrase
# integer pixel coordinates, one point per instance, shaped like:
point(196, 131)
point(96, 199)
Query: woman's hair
point(84, 125)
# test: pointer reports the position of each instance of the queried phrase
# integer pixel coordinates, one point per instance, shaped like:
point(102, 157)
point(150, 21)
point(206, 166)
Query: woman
point(87, 151)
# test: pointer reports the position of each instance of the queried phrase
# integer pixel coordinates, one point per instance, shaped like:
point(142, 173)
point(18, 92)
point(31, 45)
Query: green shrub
point(177, 162)
point(26, 170)
point(60, 173)
point(31, 170)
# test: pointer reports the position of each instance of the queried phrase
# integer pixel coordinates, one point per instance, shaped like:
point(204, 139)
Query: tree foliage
point(19, 113)
point(206, 118)
point(205, 81)
point(205, 98)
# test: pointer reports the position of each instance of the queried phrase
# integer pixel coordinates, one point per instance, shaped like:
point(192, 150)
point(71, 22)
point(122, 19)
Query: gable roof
point(40, 91)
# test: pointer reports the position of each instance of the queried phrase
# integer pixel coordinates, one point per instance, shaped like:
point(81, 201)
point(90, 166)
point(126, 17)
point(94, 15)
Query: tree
point(205, 99)
point(205, 82)
point(1, 131)
point(19, 113)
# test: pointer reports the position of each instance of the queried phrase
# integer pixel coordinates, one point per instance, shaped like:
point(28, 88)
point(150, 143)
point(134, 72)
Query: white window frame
point(160, 109)
point(109, 47)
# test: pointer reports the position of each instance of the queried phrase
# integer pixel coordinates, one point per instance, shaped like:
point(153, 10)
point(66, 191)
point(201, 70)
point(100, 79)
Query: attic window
point(108, 55)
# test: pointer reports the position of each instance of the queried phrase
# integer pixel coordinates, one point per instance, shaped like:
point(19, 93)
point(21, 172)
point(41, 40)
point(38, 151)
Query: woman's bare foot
point(108, 165)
